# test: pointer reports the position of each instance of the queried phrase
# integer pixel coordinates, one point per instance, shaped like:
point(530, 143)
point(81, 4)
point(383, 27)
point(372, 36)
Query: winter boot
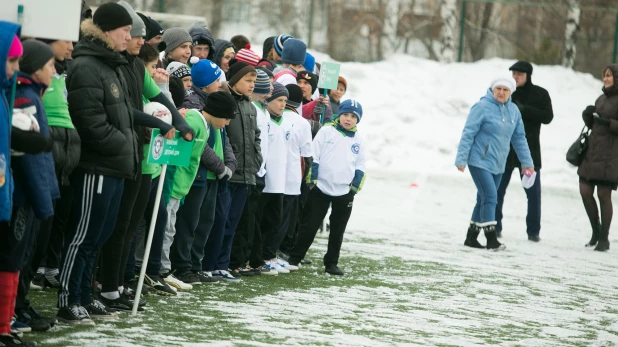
point(492, 241)
point(596, 230)
point(471, 237)
point(603, 244)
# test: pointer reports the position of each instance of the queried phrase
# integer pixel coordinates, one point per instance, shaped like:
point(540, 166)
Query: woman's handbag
point(576, 152)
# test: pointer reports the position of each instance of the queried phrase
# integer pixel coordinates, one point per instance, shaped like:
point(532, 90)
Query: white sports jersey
point(339, 157)
point(262, 122)
point(276, 160)
point(299, 146)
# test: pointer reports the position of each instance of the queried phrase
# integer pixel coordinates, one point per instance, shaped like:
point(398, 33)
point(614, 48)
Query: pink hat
point(248, 56)
point(16, 49)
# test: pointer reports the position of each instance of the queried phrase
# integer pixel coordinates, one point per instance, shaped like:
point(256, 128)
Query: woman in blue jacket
point(494, 123)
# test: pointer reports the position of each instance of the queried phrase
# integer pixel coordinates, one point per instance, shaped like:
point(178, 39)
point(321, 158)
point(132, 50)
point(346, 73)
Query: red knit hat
point(344, 82)
point(248, 56)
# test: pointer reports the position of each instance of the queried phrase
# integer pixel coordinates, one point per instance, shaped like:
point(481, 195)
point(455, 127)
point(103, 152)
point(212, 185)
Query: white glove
point(226, 174)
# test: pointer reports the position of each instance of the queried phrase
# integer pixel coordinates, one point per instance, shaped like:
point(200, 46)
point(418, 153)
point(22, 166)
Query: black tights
point(605, 200)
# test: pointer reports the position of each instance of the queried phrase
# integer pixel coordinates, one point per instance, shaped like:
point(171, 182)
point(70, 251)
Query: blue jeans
point(487, 195)
point(533, 218)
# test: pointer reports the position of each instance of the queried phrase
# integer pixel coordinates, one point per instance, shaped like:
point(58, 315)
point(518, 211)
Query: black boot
point(471, 237)
point(603, 244)
point(492, 240)
point(596, 230)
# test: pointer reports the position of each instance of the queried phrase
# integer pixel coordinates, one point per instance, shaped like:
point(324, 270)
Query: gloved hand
point(589, 110)
point(226, 174)
point(520, 106)
point(600, 120)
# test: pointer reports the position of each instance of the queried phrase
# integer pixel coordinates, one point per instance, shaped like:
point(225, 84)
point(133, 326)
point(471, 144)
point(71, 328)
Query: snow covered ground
point(409, 278)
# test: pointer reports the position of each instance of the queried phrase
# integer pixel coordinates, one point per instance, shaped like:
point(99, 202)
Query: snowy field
point(410, 281)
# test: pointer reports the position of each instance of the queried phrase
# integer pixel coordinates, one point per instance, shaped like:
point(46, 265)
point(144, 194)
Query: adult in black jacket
point(115, 252)
point(101, 111)
point(534, 104)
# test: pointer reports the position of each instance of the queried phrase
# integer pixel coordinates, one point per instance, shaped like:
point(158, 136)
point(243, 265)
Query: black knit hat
point(111, 16)
point(155, 29)
point(177, 89)
point(36, 55)
point(238, 69)
point(296, 95)
point(268, 45)
point(221, 105)
point(310, 77)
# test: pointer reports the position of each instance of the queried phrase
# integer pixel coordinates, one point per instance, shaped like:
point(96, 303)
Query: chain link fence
point(372, 30)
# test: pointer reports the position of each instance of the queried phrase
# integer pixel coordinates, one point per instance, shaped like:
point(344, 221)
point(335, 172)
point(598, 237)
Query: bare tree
point(389, 42)
point(570, 34)
point(448, 15)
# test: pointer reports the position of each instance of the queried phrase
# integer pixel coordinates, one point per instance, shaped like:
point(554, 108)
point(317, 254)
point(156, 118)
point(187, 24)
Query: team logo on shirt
point(356, 148)
point(287, 135)
point(115, 90)
point(157, 148)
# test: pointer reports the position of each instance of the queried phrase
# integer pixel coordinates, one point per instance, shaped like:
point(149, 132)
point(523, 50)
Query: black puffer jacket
point(244, 136)
point(66, 152)
point(100, 107)
point(601, 159)
point(535, 106)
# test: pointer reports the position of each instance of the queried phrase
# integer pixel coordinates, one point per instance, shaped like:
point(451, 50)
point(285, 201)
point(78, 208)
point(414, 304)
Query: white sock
point(40, 270)
point(111, 295)
point(121, 289)
point(49, 272)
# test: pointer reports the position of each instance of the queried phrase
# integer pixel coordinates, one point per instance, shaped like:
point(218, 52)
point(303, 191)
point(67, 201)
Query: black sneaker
point(242, 271)
point(334, 270)
point(159, 286)
point(130, 295)
point(35, 324)
point(38, 282)
point(132, 284)
point(534, 238)
point(74, 314)
point(36, 315)
point(119, 304)
point(96, 309)
point(15, 340)
point(188, 277)
point(306, 262)
point(205, 277)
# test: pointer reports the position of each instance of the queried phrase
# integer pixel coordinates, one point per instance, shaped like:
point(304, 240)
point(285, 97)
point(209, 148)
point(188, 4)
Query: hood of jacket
point(220, 47)
point(7, 32)
point(94, 43)
point(201, 33)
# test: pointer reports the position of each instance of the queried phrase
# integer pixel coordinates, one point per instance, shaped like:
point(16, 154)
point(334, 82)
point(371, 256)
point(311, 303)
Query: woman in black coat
point(599, 167)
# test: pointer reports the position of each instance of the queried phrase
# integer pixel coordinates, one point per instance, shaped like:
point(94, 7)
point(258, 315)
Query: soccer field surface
point(409, 280)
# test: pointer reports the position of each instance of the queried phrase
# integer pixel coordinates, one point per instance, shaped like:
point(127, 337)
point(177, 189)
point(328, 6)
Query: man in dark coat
point(534, 104)
point(101, 111)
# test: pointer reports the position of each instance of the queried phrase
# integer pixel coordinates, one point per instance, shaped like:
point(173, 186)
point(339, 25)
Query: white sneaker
point(176, 283)
point(274, 264)
point(287, 265)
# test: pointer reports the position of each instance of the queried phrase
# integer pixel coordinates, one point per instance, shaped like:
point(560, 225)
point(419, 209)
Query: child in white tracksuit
point(337, 174)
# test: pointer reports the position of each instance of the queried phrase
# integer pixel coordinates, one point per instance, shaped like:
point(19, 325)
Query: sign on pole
point(39, 18)
point(329, 78)
point(175, 152)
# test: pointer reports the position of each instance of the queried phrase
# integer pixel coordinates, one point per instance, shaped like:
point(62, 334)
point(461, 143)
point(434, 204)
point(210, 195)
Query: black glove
point(600, 120)
point(589, 111)
point(519, 105)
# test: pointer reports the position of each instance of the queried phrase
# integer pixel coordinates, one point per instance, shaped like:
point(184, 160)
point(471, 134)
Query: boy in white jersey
point(337, 174)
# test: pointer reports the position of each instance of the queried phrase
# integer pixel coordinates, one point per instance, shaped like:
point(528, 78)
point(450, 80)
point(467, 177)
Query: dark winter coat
point(66, 152)
point(601, 160)
point(100, 107)
point(220, 47)
point(535, 106)
point(195, 98)
point(201, 33)
point(244, 136)
point(34, 174)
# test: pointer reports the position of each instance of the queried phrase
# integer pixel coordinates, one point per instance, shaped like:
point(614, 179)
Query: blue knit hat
point(353, 107)
point(294, 52)
point(279, 41)
point(204, 73)
point(309, 63)
point(262, 83)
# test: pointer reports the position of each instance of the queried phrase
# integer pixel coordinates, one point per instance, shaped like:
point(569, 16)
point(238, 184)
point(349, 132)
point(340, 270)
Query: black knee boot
point(596, 230)
point(492, 239)
point(471, 237)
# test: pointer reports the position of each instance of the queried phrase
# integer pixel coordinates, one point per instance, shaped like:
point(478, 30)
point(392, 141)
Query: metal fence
point(372, 30)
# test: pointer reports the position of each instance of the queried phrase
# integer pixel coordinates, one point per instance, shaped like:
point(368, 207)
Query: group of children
point(269, 157)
